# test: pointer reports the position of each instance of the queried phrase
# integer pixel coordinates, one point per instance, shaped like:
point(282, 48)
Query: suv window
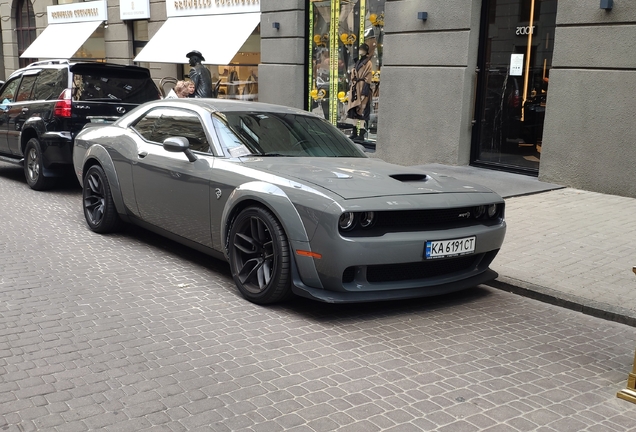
point(26, 88)
point(121, 86)
point(50, 84)
point(8, 93)
point(159, 124)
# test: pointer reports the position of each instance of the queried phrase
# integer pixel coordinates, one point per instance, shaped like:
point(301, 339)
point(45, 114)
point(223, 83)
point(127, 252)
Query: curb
point(568, 301)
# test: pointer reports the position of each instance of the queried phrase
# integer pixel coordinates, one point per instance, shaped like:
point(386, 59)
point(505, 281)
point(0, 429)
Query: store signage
point(522, 31)
point(134, 9)
point(516, 64)
point(77, 12)
point(210, 7)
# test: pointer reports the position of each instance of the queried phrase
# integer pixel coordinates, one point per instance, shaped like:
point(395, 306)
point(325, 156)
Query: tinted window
point(108, 85)
point(160, 124)
point(8, 92)
point(26, 88)
point(50, 84)
point(282, 134)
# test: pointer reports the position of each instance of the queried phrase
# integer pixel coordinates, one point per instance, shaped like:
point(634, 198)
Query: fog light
point(347, 221)
point(492, 210)
point(367, 219)
point(479, 211)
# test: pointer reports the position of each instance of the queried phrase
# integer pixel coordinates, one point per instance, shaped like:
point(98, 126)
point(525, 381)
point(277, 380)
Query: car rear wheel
point(33, 170)
point(99, 208)
point(259, 256)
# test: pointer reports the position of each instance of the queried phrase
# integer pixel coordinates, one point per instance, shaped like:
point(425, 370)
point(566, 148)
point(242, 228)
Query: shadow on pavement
point(65, 185)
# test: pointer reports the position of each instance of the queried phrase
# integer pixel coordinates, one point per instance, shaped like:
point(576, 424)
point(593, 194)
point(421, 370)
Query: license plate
point(449, 248)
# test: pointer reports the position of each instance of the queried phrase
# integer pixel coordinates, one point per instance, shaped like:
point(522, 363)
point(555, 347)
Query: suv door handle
point(142, 154)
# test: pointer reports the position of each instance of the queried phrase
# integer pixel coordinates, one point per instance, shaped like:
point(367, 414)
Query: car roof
point(56, 63)
point(230, 105)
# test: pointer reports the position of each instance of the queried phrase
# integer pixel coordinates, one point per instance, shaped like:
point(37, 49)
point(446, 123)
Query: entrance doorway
point(515, 57)
point(337, 28)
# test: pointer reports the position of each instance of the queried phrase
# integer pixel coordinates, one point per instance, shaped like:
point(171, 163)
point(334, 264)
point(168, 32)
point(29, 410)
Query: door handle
point(25, 110)
point(142, 154)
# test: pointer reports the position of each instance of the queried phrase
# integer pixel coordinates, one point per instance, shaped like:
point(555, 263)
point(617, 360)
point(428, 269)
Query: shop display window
point(338, 28)
point(517, 42)
point(239, 79)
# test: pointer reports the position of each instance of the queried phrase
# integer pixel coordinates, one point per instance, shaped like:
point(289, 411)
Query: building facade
point(533, 86)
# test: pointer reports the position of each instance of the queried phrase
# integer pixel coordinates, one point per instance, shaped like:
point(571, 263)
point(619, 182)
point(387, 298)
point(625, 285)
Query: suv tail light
point(63, 105)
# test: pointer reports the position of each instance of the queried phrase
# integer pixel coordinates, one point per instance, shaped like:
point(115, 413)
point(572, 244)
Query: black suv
point(43, 107)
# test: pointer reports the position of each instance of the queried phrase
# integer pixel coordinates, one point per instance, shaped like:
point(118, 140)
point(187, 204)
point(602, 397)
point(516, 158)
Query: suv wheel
point(33, 169)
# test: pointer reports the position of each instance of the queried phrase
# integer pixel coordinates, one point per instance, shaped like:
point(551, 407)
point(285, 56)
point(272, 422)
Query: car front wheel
point(99, 208)
point(33, 170)
point(259, 256)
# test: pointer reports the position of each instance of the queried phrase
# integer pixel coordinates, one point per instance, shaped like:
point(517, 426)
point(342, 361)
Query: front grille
point(421, 218)
point(414, 271)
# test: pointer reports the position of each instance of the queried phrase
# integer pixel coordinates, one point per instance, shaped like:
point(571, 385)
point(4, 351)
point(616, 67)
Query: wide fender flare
point(100, 155)
point(273, 198)
point(276, 200)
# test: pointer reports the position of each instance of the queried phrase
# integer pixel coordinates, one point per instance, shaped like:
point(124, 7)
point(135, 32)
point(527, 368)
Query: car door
point(19, 110)
point(7, 97)
point(173, 193)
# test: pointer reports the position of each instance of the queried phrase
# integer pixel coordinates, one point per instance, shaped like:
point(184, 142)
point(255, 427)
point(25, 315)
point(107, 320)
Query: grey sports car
point(288, 200)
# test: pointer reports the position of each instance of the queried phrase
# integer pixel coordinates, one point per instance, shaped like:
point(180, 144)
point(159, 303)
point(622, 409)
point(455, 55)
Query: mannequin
point(200, 75)
point(359, 107)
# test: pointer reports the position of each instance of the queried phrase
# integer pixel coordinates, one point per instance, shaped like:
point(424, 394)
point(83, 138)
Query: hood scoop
point(409, 178)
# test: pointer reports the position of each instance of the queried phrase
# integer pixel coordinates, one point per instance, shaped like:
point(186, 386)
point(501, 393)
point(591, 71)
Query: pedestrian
point(200, 75)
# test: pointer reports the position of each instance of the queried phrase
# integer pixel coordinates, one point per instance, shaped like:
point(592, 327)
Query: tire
point(259, 257)
point(97, 202)
point(33, 168)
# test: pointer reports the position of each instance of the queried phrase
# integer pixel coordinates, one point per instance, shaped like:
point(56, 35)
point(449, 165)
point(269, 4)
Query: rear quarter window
point(50, 84)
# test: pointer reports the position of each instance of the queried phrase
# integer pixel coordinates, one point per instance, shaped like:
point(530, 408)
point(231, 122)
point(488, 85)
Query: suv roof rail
point(49, 62)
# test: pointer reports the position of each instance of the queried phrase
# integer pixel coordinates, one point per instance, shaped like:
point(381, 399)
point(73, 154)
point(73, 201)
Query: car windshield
point(281, 134)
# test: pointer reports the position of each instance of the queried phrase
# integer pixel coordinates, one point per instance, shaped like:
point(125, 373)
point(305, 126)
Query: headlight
point(479, 211)
point(367, 219)
point(347, 221)
point(492, 210)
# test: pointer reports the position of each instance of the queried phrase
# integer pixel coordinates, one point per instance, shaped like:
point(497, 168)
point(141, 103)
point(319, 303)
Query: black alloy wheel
point(33, 169)
point(99, 208)
point(259, 256)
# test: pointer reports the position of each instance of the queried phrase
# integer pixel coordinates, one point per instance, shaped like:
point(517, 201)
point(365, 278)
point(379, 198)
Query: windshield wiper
point(267, 155)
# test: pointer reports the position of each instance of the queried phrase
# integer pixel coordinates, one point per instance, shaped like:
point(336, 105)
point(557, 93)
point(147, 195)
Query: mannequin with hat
point(359, 107)
point(200, 76)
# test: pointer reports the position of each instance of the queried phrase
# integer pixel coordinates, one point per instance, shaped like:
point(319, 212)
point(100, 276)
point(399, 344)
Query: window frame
point(210, 142)
point(24, 32)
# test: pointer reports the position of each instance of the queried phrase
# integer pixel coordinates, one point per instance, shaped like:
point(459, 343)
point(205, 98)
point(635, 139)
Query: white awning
point(217, 37)
point(61, 40)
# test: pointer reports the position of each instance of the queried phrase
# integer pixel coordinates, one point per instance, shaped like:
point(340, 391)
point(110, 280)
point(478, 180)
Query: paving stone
point(131, 331)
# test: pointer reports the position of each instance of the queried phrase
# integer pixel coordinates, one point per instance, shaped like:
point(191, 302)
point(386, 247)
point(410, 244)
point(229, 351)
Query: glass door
point(517, 39)
point(337, 30)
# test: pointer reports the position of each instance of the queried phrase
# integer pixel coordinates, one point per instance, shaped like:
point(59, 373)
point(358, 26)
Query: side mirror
point(179, 144)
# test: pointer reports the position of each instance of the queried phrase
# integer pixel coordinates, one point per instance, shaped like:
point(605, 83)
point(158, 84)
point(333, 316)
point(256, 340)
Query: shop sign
point(516, 64)
point(176, 8)
point(522, 31)
point(134, 9)
point(77, 12)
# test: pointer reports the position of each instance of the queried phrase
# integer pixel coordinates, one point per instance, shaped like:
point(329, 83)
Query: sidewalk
point(568, 247)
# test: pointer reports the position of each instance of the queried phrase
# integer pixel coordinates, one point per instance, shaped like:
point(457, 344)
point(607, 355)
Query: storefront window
point(239, 79)
point(94, 48)
point(140, 38)
point(338, 28)
point(25, 29)
point(516, 57)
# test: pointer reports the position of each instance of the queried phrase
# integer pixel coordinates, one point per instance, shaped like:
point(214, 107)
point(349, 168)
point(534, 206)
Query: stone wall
point(589, 126)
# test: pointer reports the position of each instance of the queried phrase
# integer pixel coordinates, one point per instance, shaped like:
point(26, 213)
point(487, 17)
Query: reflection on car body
point(288, 200)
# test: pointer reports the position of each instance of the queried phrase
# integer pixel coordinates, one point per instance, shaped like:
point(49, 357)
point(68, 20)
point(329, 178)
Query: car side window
point(50, 84)
point(159, 124)
point(8, 93)
point(26, 88)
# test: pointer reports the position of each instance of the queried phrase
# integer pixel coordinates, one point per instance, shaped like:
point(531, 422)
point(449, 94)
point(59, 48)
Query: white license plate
point(449, 248)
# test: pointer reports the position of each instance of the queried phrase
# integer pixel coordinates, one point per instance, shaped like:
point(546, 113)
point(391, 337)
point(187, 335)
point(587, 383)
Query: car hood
point(353, 178)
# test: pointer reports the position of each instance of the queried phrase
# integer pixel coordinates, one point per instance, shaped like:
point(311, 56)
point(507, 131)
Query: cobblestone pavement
point(132, 332)
point(579, 244)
